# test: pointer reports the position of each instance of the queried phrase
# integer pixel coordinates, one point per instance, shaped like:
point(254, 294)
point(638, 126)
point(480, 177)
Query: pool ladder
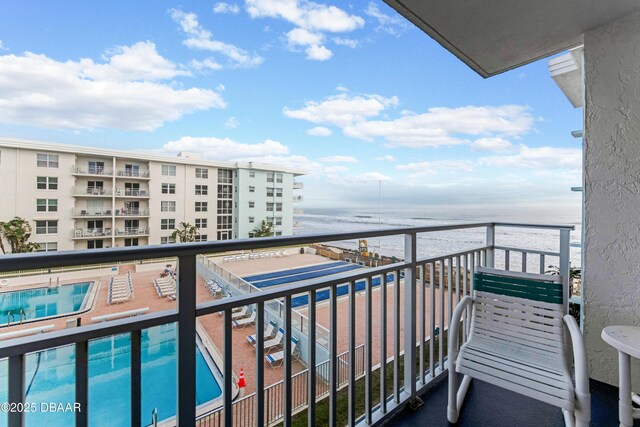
point(22, 314)
point(154, 417)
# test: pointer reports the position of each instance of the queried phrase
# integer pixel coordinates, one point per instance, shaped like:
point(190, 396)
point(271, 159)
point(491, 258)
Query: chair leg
point(456, 395)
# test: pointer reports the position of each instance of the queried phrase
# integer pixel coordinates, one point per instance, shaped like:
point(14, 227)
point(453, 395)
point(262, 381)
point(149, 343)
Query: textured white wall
point(612, 189)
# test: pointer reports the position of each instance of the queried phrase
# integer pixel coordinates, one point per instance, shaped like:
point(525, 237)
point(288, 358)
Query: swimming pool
point(50, 377)
point(43, 302)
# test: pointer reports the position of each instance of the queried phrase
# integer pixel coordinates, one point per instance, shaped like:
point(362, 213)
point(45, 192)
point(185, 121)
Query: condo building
point(78, 197)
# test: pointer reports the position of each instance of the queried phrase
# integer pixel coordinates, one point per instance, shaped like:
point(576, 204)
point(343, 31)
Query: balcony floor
point(488, 405)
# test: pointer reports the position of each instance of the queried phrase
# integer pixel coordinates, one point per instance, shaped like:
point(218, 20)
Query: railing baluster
point(82, 383)
point(16, 388)
point(227, 373)
point(186, 360)
point(458, 272)
point(287, 361)
point(542, 264)
point(333, 347)
point(450, 287)
point(136, 375)
point(259, 414)
point(352, 354)
point(524, 262)
point(432, 318)
point(410, 242)
point(368, 346)
point(383, 343)
point(311, 381)
point(422, 323)
point(441, 323)
point(396, 337)
point(506, 259)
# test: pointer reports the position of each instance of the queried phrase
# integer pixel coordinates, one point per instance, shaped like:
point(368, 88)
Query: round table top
point(624, 338)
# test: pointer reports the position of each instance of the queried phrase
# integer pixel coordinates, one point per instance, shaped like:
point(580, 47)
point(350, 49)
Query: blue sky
point(351, 93)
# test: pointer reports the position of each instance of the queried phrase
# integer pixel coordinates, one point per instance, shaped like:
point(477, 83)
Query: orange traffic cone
point(241, 382)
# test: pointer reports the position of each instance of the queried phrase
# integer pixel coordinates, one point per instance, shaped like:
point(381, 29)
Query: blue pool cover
point(282, 273)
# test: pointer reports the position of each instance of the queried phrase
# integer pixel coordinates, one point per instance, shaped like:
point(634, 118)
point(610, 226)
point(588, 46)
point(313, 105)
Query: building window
point(224, 235)
point(95, 244)
point(278, 233)
point(167, 224)
point(278, 207)
point(201, 238)
point(47, 205)
point(279, 178)
point(48, 247)
point(225, 176)
point(169, 170)
point(224, 222)
point(277, 192)
point(202, 206)
point(168, 189)
point(167, 240)
point(276, 220)
point(202, 190)
point(201, 222)
point(252, 189)
point(252, 204)
point(47, 160)
point(47, 183)
point(95, 167)
point(269, 176)
point(252, 219)
point(225, 192)
point(224, 207)
point(252, 174)
point(269, 206)
point(167, 206)
point(46, 227)
point(202, 173)
point(131, 242)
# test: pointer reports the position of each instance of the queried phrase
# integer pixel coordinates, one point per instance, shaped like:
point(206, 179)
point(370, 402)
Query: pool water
point(42, 302)
point(50, 377)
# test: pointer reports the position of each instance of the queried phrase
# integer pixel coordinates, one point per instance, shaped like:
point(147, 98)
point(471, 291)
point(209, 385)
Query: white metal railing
point(93, 212)
point(131, 173)
point(131, 231)
point(132, 212)
point(88, 170)
point(298, 185)
point(132, 192)
point(409, 311)
point(298, 198)
point(87, 233)
point(92, 191)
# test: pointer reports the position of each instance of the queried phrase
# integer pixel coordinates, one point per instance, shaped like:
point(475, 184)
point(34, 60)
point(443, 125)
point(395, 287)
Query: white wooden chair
point(516, 340)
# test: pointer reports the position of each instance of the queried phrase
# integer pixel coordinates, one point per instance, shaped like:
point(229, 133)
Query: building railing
point(130, 173)
point(89, 170)
point(132, 192)
point(92, 212)
point(92, 191)
point(298, 185)
point(132, 231)
point(298, 198)
point(88, 233)
point(441, 280)
point(132, 212)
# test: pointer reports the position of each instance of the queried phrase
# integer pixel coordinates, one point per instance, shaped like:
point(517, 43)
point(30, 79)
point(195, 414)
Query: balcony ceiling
point(493, 36)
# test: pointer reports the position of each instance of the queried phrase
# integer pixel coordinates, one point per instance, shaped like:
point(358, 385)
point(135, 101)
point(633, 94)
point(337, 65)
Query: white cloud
point(439, 126)
point(223, 149)
point(368, 178)
point(231, 123)
point(539, 158)
point(437, 166)
point(342, 110)
point(342, 88)
point(387, 158)
point(201, 39)
point(226, 8)
point(339, 159)
point(391, 24)
point(123, 92)
point(343, 41)
point(490, 144)
point(310, 17)
point(319, 131)
point(2, 47)
point(206, 64)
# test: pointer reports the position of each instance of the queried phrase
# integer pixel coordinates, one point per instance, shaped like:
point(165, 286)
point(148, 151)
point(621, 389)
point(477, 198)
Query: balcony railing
point(298, 198)
point(298, 185)
point(92, 191)
point(132, 212)
point(414, 313)
point(88, 170)
point(92, 212)
point(90, 233)
point(130, 173)
point(132, 231)
point(132, 192)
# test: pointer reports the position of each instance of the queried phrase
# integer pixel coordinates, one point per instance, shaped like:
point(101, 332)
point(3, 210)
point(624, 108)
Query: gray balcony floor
point(488, 405)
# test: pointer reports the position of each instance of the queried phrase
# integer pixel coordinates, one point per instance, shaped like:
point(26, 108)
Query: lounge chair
point(517, 341)
point(268, 333)
point(233, 310)
point(244, 312)
point(275, 341)
point(277, 359)
point(243, 323)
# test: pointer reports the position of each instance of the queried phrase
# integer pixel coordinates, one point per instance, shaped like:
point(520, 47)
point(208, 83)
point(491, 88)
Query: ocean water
point(444, 242)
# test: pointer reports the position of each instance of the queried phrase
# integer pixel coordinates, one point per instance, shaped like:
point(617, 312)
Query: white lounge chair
point(268, 333)
point(244, 312)
point(517, 341)
point(277, 359)
point(244, 322)
point(275, 341)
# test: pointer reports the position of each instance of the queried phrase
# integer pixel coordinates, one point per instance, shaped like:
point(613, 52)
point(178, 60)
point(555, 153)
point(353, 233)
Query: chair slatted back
point(521, 308)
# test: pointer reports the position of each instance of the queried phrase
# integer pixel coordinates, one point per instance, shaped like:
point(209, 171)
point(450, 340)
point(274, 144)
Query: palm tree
point(265, 229)
point(17, 233)
point(187, 233)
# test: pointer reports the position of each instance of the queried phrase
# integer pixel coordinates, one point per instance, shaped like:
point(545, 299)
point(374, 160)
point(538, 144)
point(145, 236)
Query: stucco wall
point(612, 189)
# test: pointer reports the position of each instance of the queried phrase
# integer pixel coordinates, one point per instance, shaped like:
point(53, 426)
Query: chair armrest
point(580, 364)
point(452, 349)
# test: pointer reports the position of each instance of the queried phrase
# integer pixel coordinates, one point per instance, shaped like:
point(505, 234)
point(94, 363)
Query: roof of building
point(498, 35)
point(140, 156)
